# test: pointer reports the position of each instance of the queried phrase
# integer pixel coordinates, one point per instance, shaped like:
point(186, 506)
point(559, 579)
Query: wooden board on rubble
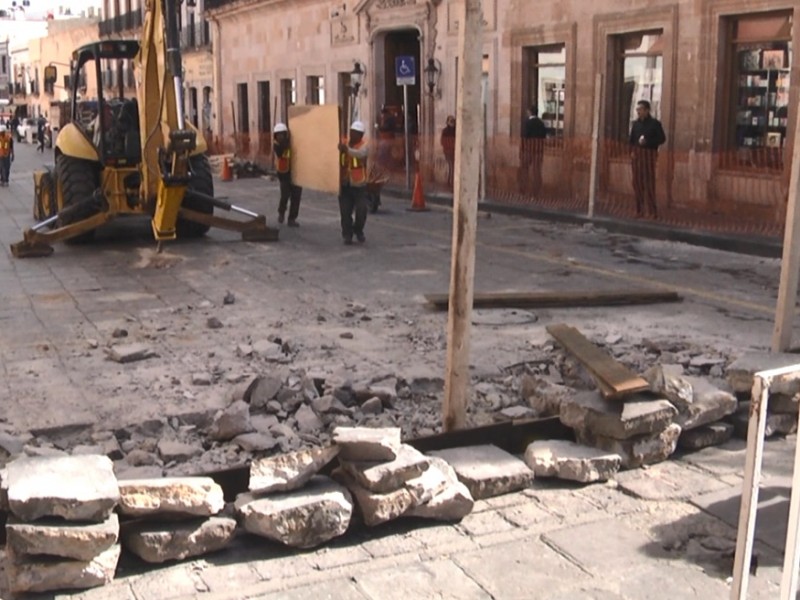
point(314, 139)
point(558, 299)
point(614, 379)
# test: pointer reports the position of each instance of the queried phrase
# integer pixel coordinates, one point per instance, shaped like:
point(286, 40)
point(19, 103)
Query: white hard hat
point(357, 126)
point(3, 129)
point(280, 128)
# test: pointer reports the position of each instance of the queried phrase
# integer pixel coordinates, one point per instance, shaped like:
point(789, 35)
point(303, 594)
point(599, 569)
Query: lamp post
point(433, 72)
point(356, 81)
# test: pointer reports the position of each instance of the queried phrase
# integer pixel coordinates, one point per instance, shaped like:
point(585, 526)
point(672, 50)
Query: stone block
point(41, 575)
point(385, 477)
point(170, 450)
point(432, 481)
point(303, 518)
point(54, 537)
point(543, 396)
point(638, 415)
point(439, 494)
point(705, 436)
point(740, 372)
point(127, 353)
point(160, 542)
point(669, 382)
point(487, 470)
point(367, 444)
point(709, 404)
point(233, 421)
point(286, 472)
point(188, 496)
point(307, 420)
point(377, 508)
point(639, 450)
point(262, 390)
point(566, 460)
point(75, 488)
point(255, 442)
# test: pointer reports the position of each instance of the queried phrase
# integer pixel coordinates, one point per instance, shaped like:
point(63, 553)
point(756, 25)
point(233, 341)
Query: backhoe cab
point(130, 156)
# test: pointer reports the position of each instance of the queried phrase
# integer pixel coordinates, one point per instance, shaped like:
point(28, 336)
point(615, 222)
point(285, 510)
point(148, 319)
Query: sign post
point(405, 68)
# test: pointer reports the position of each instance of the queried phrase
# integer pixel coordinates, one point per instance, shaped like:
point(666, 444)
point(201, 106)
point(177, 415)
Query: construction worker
point(6, 154)
point(283, 165)
point(353, 177)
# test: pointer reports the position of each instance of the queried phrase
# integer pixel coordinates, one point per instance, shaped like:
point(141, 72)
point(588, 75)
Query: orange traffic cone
point(227, 173)
point(418, 198)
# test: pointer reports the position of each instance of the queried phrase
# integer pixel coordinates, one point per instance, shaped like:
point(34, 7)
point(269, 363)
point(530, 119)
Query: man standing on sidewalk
point(647, 135)
point(283, 165)
point(353, 176)
point(532, 152)
point(41, 123)
point(6, 155)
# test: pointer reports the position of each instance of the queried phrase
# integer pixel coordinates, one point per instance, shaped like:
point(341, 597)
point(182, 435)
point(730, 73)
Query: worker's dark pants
point(289, 192)
point(532, 174)
point(353, 199)
point(643, 167)
point(5, 168)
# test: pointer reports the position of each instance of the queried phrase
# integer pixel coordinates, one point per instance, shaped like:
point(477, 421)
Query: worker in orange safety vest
point(290, 193)
point(6, 155)
point(353, 175)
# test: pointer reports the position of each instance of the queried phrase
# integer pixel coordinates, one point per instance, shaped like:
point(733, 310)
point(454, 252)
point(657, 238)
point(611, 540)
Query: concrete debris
point(233, 421)
point(119, 333)
point(53, 537)
point(255, 442)
point(517, 412)
point(668, 381)
point(170, 450)
point(377, 508)
point(705, 436)
point(144, 472)
point(543, 396)
point(129, 353)
point(329, 404)
point(262, 390)
point(709, 404)
point(38, 574)
point(270, 351)
point(202, 379)
point(214, 323)
point(367, 444)
point(141, 458)
point(373, 406)
point(567, 460)
point(228, 299)
point(186, 496)
point(638, 415)
point(783, 404)
point(384, 477)
point(75, 488)
point(287, 472)
point(636, 451)
point(160, 542)
point(304, 518)
point(439, 494)
point(487, 471)
point(263, 423)
point(307, 420)
point(740, 372)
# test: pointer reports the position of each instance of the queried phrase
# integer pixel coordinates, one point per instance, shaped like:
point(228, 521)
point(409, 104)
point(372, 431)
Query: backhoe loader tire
point(79, 181)
point(45, 206)
point(202, 181)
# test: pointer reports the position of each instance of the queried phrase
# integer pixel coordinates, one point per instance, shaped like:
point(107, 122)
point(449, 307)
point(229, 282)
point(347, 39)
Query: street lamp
point(357, 77)
point(433, 71)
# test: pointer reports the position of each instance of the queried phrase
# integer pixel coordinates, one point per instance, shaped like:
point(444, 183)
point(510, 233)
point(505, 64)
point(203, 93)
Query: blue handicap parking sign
point(405, 69)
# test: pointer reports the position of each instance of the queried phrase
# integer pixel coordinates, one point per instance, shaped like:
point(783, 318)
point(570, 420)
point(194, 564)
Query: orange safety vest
point(6, 144)
point(355, 169)
point(284, 161)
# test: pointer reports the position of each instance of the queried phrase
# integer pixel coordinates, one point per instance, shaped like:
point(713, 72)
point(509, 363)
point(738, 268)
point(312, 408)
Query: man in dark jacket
point(532, 152)
point(448, 141)
point(647, 135)
point(41, 124)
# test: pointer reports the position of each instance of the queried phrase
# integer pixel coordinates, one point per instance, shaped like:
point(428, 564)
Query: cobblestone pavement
point(660, 532)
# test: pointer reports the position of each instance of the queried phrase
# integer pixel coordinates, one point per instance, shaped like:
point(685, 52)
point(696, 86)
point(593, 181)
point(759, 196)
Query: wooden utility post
point(593, 171)
point(787, 292)
point(469, 119)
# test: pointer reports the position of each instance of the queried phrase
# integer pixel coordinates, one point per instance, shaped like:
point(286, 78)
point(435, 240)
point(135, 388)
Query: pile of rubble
point(62, 532)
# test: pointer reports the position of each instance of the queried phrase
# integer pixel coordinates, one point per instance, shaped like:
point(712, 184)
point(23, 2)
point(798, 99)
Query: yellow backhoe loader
point(131, 156)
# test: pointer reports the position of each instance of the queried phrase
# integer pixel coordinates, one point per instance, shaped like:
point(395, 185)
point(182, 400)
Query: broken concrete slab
point(301, 519)
point(639, 450)
point(669, 381)
point(123, 471)
point(740, 372)
point(262, 390)
point(171, 450)
point(705, 436)
point(377, 508)
point(75, 488)
point(439, 494)
point(127, 353)
point(54, 537)
point(160, 542)
point(366, 443)
point(709, 404)
point(487, 471)
point(291, 471)
point(543, 396)
point(567, 460)
point(638, 415)
point(307, 420)
point(385, 477)
point(233, 421)
point(255, 442)
point(189, 496)
point(37, 574)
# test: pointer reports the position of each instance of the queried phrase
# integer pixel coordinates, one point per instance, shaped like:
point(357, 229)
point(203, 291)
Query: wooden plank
point(558, 299)
point(614, 379)
point(465, 213)
point(315, 137)
point(593, 170)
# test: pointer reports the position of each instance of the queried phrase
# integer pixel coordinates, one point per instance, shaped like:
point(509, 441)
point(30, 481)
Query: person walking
point(290, 193)
point(14, 127)
point(6, 155)
point(353, 176)
point(41, 123)
point(647, 135)
point(531, 151)
point(448, 141)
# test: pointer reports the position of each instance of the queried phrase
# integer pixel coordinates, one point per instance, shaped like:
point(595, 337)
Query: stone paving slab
point(340, 589)
point(440, 579)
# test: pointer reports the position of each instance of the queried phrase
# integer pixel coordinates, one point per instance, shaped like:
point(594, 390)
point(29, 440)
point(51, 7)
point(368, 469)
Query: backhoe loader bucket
point(26, 249)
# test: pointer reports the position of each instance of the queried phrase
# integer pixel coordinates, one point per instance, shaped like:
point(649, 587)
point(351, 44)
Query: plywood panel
point(315, 154)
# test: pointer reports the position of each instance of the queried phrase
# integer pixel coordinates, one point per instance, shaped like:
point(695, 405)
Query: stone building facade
point(719, 73)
